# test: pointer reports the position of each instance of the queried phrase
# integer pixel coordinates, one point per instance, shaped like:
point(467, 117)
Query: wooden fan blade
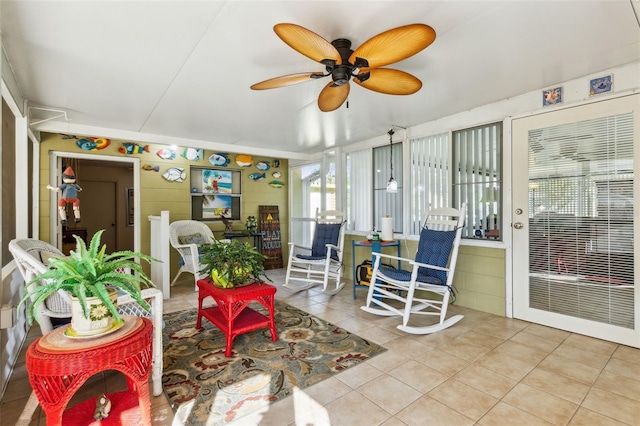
point(286, 80)
point(394, 45)
point(390, 81)
point(332, 96)
point(307, 42)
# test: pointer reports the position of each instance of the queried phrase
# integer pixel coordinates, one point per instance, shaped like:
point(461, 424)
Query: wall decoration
point(244, 160)
point(552, 96)
point(257, 176)
point(132, 148)
point(193, 154)
point(175, 174)
point(275, 164)
point(600, 85)
point(91, 144)
point(69, 190)
point(87, 145)
point(219, 159)
point(216, 206)
point(216, 181)
point(262, 166)
point(101, 143)
point(276, 184)
point(130, 204)
point(149, 167)
point(276, 175)
point(166, 154)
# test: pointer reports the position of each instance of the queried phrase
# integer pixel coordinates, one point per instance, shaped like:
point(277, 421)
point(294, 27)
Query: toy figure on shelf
point(228, 225)
point(69, 191)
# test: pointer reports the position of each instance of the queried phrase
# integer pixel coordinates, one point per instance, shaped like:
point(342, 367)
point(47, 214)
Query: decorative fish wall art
point(92, 144)
point(150, 167)
point(166, 154)
point(276, 184)
point(257, 176)
point(193, 154)
point(244, 160)
point(175, 174)
point(263, 166)
point(132, 148)
point(276, 175)
point(219, 159)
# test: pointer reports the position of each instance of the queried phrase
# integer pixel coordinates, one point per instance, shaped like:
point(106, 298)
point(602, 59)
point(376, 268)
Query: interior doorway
point(105, 200)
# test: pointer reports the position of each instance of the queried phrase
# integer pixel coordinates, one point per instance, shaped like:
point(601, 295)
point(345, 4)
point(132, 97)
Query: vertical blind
point(386, 203)
point(429, 177)
point(581, 231)
point(359, 189)
point(477, 178)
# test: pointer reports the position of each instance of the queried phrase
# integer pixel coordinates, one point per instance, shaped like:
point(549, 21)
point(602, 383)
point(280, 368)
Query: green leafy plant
point(90, 272)
point(232, 264)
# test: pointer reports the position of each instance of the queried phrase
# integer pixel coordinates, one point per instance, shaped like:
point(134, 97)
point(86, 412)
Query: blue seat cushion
point(434, 248)
point(326, 233)
point(402, 275)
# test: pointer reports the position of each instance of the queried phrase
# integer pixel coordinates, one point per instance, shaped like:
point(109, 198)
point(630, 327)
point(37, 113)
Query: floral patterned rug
point(207, 388)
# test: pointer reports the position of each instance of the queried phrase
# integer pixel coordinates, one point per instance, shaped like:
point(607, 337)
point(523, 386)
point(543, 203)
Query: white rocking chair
point(432, 273)
point(324, 261)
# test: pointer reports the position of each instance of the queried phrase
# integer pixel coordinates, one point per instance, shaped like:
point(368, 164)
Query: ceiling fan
point(363, 64)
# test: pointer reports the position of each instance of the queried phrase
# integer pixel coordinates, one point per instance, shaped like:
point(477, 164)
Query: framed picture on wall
point(129, 206)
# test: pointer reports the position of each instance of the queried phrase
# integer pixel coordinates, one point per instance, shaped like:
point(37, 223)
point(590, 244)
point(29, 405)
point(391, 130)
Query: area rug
point(206, 388)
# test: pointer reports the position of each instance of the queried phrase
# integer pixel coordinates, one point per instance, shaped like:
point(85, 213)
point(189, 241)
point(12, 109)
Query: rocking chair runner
point(432, 273)
point(324, 261)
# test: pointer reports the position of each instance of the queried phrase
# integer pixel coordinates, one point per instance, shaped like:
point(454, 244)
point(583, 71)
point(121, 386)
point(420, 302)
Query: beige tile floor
point(485, 370)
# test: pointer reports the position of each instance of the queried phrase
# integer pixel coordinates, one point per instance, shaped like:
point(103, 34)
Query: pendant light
point(392, 185)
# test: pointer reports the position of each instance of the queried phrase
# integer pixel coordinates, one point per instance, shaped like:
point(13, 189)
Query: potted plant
point(93, 279)
point(232, 264)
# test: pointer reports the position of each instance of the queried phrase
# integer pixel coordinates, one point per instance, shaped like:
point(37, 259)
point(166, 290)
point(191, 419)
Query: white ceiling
point(181, 70)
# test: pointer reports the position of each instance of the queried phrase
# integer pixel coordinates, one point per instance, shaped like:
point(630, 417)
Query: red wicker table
point(58, 366)
point(232, 315)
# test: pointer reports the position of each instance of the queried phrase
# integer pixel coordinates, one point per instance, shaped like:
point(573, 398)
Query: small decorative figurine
point(252, 224)
point(228, 225)
point(103, 408)
point(69, 191)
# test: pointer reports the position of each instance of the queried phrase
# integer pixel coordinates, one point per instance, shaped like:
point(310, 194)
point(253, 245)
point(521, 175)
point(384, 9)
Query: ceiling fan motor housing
point(341, 74)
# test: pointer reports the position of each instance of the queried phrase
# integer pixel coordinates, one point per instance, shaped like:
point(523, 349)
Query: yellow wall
point(479, 277)
point(157, 194)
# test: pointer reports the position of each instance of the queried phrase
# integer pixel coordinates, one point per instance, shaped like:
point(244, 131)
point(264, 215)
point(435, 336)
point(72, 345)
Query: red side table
point(58, 366)
point(232, 314)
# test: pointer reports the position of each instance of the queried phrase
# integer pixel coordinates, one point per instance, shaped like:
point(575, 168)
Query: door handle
point(518, 225)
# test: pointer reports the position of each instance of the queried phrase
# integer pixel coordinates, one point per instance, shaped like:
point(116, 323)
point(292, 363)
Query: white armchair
point(30, 256)
point(185, 236)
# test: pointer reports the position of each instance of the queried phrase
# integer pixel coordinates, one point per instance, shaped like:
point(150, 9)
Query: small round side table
point(57, 368)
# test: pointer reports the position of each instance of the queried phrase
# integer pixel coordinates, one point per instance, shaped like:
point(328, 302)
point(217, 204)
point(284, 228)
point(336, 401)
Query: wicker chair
point(185, 236)
point(28, 254)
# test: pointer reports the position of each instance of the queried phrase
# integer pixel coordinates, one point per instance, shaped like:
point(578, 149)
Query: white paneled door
point(575, 205)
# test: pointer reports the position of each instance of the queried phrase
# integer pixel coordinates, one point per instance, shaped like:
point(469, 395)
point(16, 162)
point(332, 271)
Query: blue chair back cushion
point(402, 275)
point(326, 233)
point(434, 249)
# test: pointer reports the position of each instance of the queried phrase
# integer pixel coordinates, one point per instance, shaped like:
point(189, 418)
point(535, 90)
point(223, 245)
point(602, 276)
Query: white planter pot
point(100, 318)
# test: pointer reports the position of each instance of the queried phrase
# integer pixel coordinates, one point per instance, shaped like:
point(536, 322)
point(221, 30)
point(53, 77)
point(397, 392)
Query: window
point(386, 203)
point(215, 193)
point(477, 179)
point(359, 194)
point(429, 177)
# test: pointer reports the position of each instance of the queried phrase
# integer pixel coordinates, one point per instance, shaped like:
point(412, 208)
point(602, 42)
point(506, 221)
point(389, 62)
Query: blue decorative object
point(600, 85)
point(552, 96)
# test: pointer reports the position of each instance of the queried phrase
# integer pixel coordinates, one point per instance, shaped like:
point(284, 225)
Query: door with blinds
point(574, 208)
